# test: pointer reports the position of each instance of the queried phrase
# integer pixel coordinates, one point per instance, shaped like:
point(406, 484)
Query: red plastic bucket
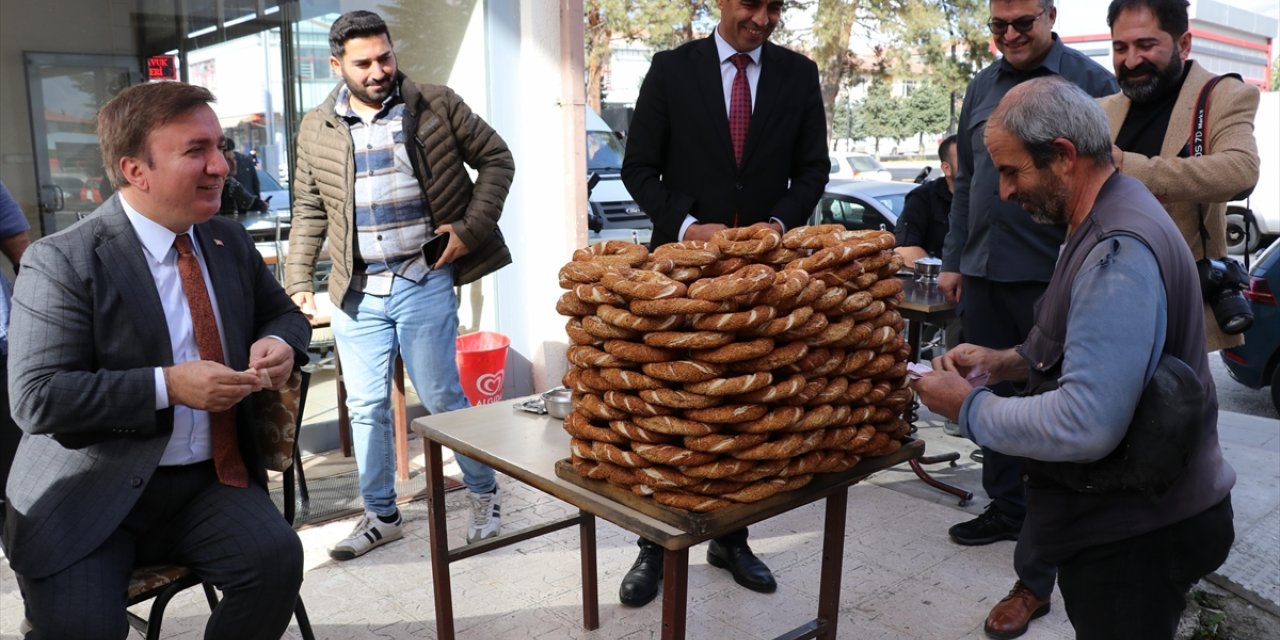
point(482, 363)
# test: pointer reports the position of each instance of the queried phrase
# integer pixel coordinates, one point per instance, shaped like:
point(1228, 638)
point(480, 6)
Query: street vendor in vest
point(1129, 499)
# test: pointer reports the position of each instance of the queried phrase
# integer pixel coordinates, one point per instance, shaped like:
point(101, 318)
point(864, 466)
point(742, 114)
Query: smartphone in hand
point(433, 248)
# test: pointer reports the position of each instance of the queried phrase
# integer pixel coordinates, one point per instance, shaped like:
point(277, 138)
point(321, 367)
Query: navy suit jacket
point(87, 332)
point(679, 158)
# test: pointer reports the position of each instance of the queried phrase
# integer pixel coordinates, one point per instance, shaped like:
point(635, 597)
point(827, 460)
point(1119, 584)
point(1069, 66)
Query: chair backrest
point(278, 414)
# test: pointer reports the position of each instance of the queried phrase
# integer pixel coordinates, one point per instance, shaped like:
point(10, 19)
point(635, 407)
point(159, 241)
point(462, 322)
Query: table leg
point(832, 563)
point(439, 542)
point(675, 593)
point(965, 496)
point(590, 587)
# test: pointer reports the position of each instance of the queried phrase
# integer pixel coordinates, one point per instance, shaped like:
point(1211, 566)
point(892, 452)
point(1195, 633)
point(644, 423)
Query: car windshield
point(865, 163)
point(604, 151)
point(893, 202)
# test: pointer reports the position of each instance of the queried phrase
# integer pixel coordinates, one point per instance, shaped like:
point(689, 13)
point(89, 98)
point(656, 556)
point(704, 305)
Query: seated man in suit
point(137, 335)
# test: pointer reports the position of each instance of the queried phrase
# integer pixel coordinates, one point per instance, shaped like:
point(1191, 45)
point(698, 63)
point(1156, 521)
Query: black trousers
point(233, 538)
point(1136, 589)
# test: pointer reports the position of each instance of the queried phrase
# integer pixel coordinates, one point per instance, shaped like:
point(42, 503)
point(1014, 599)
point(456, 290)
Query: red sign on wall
point(162, 67)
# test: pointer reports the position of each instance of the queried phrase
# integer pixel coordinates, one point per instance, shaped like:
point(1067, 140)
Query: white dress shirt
point(190, 441)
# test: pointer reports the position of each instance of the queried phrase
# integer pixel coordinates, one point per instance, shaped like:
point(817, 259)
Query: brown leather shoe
point(1010, 617)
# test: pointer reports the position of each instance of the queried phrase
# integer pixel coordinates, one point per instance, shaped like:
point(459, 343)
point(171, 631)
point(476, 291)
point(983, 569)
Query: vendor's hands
point(971, 362)
point(208, 386)
point(453, 250)
point(273, 356)
point(949, 285)
point(943, 392)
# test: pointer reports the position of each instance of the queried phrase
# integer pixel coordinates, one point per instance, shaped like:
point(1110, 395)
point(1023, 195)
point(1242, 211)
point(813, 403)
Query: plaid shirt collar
point(342, 104)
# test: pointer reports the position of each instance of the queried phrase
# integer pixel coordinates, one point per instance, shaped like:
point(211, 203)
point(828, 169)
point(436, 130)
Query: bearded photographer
point(1127, 491)
point(1154, 131)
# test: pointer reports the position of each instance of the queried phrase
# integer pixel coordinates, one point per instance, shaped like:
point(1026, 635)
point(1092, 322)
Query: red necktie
point(739, 106)
point(222, 425)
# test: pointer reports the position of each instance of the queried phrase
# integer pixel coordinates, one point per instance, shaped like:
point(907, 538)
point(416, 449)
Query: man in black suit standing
point(729, 131)
point(138, 335)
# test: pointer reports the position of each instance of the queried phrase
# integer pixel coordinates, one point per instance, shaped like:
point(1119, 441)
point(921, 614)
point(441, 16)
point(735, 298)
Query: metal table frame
point(526, 447)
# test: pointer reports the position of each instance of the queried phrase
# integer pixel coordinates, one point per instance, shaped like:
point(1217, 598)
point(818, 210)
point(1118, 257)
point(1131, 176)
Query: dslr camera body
point(1221, 282)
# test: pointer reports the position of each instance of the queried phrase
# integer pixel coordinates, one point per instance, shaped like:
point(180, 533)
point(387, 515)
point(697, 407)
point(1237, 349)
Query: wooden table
point(924, 303)
point(528, 447)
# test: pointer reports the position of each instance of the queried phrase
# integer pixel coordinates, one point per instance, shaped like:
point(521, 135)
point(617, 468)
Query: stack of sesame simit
point(708, 374)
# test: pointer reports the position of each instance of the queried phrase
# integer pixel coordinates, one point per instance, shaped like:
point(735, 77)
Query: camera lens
point(1233, 313)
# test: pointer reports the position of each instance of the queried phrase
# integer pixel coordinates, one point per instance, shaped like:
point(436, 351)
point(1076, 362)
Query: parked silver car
point(861, 204)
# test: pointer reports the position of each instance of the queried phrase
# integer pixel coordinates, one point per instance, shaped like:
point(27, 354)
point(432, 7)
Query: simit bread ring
point(569, 304)
point(589, 356)
point(597, 294)
point(749, 279)
point(664, 476)
point(777, 392)
point(855, 302)
point(747, 241)
point(722, 468)
point(728, 413)
point(606, 452)
point(870, 311)
point(854, 360)
point(574, 380)
point(598, 328)
point(578, 335)
point(734, 320)
point(735, 352)
point(779, 419)
point(688, 339)
point(725, 265)
point(637, 352)
point(690, 253)
point(832, 333)
point(840, 275)
point(673, 306)
point(592, 405)
point(671, 425)
point(787, 284)
point(812, 387)
point(685, 274)
point(578, 425)
point(731, 386)
point(633, 405)
point(643, 285)
point(779, 256)
point(689, 501)
point(683, 370)
point(762, 469)
point(613, 251)
point(677, 399)
point(813, 326)
point(671, 455)
point(626, 379)
point(809, 237)
point(830, 299)
point(833, 393)
point(637, 434)
point(582, 272)
point(722, 443)
point(622, 318)
point(885, 288)
point(795, 318)
point(779, 357)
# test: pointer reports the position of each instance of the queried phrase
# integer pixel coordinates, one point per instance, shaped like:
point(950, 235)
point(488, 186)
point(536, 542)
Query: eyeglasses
point(1021, 25)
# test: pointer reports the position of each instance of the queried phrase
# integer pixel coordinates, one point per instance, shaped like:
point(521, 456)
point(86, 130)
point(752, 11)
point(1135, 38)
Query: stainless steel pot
point(559, 402)
point(927, 269)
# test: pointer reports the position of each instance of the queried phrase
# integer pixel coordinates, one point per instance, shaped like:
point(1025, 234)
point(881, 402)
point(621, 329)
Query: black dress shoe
point(640, 585)
point(991, 526)
point(746, 568)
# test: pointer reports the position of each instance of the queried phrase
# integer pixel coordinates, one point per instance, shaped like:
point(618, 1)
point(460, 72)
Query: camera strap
point(1200, 137)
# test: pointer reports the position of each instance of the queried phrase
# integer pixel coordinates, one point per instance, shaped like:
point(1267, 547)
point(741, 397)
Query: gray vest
point(1060, 520)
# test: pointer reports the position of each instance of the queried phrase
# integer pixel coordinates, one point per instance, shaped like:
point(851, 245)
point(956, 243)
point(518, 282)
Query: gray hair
point(1045, 5)
point(1039, 111)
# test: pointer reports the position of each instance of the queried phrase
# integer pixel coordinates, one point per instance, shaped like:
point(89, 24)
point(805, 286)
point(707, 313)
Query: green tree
point(661, 24)
point(929, 109)
point(1275, 74)
point(883, 115)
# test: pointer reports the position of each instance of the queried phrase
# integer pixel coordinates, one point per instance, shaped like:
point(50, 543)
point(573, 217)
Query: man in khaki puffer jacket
point(380, 172)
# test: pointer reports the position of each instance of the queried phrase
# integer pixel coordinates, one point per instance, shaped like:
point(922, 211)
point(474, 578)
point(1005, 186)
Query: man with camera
point(1189, 139)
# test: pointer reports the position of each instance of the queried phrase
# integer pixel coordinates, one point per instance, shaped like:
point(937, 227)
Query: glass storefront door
point(65, 92)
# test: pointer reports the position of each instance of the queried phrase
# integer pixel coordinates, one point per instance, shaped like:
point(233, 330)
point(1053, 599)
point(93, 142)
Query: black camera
point(1221, 281)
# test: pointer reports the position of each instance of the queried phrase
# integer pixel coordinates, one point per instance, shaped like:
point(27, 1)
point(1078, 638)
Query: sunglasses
point(1021, 25)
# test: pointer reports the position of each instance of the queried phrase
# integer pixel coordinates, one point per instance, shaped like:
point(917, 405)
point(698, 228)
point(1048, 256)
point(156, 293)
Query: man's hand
point(971, 362)
point(910, 254)
point(703, 232)
point(452, 251)
point(208, 386)
point(273, 356)
point(949, 283)
point(306, 301)
point(944, 392)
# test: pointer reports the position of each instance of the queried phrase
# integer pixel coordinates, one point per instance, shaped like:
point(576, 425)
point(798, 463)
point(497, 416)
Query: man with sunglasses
point(996, 263)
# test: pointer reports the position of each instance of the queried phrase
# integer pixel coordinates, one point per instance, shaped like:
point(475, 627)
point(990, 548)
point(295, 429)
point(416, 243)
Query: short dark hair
point(944, 147)
point(127, 119)
point(355, 24)
point(1171, 14)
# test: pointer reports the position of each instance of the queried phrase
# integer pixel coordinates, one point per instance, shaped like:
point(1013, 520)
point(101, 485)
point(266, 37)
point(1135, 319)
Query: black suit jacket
point(679, 158)
point(87, 331)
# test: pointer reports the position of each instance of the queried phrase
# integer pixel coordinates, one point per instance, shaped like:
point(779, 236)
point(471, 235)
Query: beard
point(372, 94)
point(1047, 203)
point(1157, 85)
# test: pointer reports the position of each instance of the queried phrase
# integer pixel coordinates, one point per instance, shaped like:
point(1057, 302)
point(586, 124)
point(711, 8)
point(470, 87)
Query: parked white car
point(1264, 203)
point(857, 166)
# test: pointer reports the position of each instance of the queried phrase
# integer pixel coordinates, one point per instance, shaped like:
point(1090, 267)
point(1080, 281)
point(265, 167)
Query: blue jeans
point(421, 321)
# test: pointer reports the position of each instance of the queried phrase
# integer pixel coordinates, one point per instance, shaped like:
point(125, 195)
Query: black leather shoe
point(640, 585)
point(746, 568)
point(991, 526)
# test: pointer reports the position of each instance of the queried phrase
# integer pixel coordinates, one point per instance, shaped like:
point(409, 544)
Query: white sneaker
point(368, 534)
point(486, 515)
